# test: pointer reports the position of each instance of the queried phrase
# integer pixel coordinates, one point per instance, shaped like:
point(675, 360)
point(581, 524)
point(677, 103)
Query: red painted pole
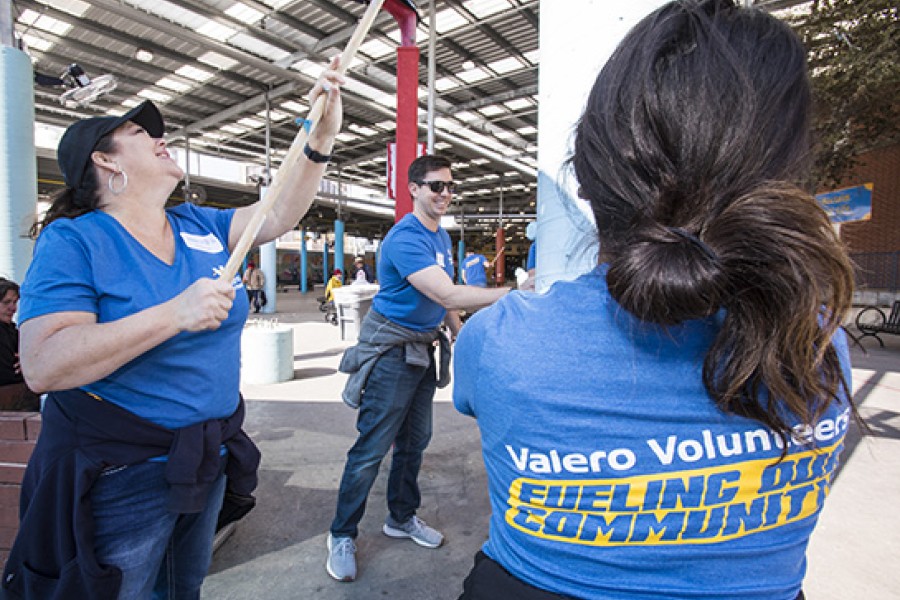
point(500, 264)
point(407, 123)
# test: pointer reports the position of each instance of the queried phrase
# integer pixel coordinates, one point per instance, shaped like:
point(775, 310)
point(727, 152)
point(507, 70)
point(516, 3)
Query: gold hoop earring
point(110, 183)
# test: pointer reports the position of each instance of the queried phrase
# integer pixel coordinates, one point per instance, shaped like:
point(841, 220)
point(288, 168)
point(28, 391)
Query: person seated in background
point(667, 425)
point(334, 282)
point(14, 393)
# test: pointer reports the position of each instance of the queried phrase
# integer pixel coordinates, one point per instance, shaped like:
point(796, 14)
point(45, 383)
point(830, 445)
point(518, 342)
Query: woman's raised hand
point(329, 124)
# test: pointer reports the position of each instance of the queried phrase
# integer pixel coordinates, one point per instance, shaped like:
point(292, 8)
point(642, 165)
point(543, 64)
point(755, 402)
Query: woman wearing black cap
point(125, 323)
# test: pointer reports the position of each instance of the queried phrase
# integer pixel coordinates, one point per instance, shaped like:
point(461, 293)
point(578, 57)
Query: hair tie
point(687, 235)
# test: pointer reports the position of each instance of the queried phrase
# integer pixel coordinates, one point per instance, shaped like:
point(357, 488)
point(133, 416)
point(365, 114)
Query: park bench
point(872, 321)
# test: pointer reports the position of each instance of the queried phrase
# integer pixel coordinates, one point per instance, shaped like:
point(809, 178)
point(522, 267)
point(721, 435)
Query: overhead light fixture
point(143, 55)
point(468, 65)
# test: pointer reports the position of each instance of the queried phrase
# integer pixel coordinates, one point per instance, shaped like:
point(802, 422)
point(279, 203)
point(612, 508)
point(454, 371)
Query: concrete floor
point(304, 431)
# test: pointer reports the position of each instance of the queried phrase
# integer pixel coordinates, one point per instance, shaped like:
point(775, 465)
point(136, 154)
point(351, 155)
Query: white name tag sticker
point(439, 257)
point(204, 243)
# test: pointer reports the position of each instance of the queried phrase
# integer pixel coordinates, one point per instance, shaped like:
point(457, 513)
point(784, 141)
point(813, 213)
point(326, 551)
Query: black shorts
point(489, 581)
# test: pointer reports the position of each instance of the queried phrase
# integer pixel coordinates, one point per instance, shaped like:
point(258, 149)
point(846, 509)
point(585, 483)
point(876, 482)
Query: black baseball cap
point(80, 139)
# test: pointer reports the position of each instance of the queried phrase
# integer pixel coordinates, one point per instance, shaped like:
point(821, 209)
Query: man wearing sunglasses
point(393, 371)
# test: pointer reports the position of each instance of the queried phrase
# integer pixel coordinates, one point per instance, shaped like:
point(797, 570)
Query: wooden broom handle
point(295, 153)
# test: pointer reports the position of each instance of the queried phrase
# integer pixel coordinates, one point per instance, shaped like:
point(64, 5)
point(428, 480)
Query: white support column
point(576, 39)
point(268, 262)
point(18, 164)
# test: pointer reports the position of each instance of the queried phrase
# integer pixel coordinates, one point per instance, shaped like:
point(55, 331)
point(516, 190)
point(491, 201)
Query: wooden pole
point(295, 153)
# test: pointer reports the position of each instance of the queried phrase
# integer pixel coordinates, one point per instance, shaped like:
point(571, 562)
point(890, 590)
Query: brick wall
point(882, 232)
point(18, 434)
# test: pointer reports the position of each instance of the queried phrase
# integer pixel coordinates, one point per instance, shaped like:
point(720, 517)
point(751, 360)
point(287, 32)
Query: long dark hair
point(690, 150)
point(71, 202)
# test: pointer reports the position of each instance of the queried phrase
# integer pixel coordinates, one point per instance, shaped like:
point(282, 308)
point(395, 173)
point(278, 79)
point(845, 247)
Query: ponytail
point(666, 275)
point(772, 261)
point(790, 285)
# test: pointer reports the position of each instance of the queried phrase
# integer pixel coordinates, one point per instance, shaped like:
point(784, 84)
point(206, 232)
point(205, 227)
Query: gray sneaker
point(341, 563)
point(414, 529)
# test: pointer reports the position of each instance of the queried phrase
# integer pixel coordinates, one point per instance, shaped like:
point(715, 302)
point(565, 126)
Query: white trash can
point(267, 353)
point(352, 303)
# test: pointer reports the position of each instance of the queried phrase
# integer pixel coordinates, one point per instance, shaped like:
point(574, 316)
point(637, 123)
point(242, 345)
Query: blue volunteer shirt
point(408, 248)
point(473, 267)
point(613, 475)
point(92, 264)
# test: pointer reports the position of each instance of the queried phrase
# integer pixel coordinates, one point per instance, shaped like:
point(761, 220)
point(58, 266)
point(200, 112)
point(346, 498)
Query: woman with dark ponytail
point(668, 425)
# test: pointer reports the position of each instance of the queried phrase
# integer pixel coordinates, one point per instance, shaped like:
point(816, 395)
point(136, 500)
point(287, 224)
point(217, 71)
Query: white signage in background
point(392, 171)
point(576, 39)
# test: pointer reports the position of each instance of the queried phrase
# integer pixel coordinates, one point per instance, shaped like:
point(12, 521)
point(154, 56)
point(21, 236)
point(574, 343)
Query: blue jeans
point(395, 409)
point(162, 555)
point(255, 299)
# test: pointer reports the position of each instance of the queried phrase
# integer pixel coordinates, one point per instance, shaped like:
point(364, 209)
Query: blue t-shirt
point(408, 248)
point(92, 264)
point(473, 267)
point(611, 472)
point(532, 254)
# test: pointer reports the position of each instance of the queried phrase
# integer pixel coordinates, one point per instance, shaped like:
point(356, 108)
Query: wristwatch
point(314, 156)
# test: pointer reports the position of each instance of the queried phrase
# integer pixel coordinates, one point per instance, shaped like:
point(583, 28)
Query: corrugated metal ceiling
point(247, 47)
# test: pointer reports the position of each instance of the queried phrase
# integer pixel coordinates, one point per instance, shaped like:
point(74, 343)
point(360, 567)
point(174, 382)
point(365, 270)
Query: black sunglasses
point(438, 186)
